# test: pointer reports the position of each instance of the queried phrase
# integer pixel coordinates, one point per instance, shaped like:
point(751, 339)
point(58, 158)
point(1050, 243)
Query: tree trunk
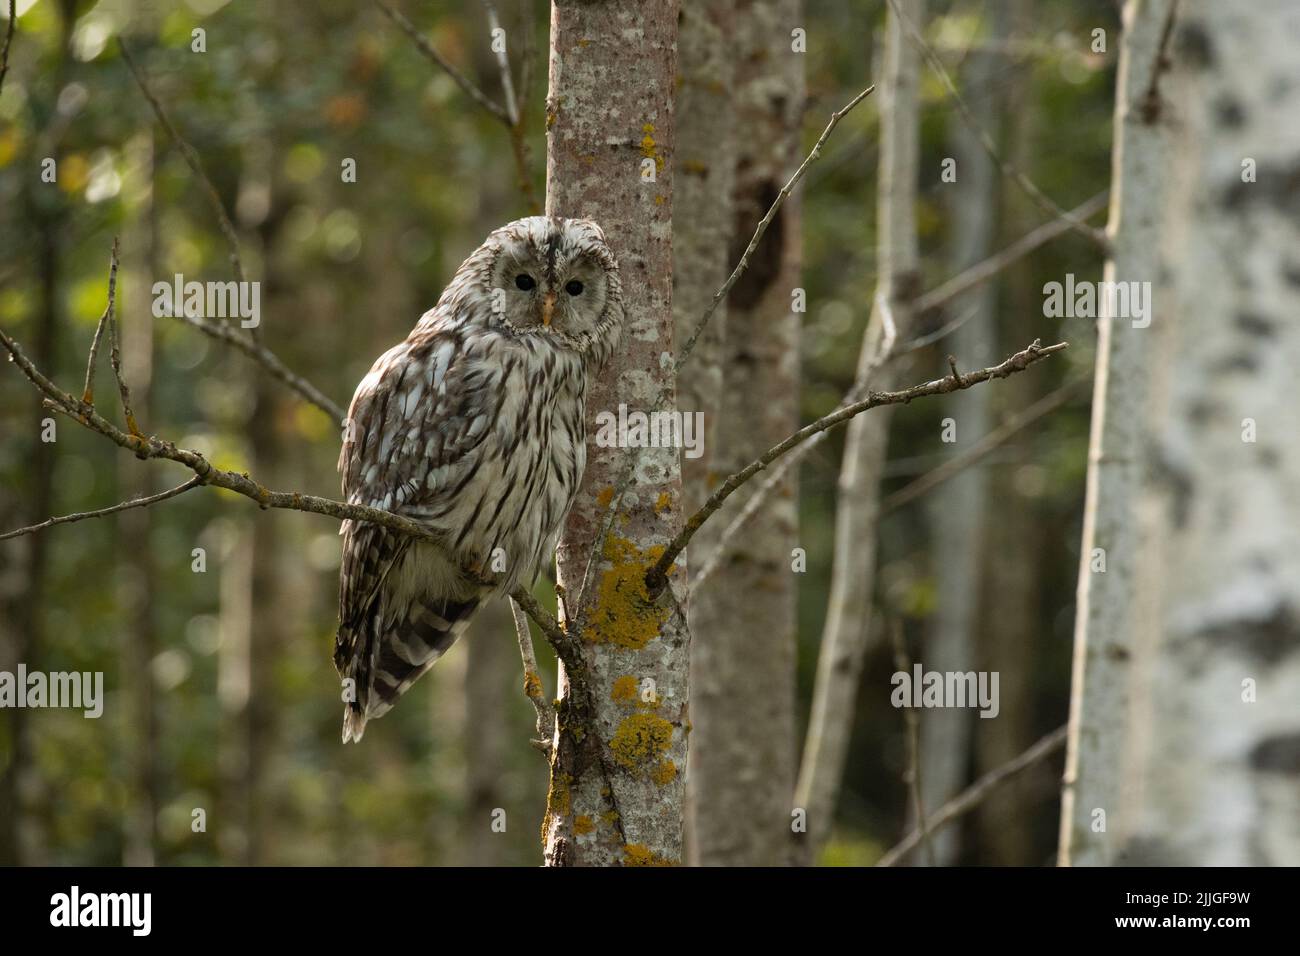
point(743, 742)
point(136, 584)
point(957, 513)
point(1106, 627)
point(1195, 472)
point(616, 792)
point(844, 638)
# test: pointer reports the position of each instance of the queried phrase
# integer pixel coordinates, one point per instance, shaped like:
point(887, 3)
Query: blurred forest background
point(220, 691)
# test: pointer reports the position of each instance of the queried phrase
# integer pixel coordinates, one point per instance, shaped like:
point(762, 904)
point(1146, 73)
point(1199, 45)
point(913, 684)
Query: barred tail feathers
point(395, 653)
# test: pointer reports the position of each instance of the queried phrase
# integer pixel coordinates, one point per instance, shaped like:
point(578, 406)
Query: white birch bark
point(1184, 725)
point(844, 638)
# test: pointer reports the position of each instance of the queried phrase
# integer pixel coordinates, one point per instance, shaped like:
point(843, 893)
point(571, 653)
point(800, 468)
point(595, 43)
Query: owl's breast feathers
point(478, 436)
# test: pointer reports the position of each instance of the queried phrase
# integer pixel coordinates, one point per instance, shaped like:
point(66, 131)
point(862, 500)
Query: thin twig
point(241, 483)
point(656, 577)
point(985, 446)
point(123, 506)
point(533, 680)
point(269, 361)
point(912, 773)
point(115, 360)
point(192, 160)
point(88, 393)
point(503, 64)
point(763, 223)
point(1150, 107)
point(430, 51)
point(975, 794)
point(568, 648)
point(9, 37)
point(983, 271)
point(1024, 182)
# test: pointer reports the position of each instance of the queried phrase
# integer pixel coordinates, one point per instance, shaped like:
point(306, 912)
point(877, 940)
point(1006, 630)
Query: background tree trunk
point(1106, 628)
point(845, 635)
point(743, 743)
point(617, 796)
point(957, 512)
point(1198, 612)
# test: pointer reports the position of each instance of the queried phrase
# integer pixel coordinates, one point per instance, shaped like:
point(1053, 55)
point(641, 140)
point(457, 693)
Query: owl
point(474, 427)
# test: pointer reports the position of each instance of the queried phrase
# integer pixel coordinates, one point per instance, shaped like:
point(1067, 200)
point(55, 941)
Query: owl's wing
point(423, 408)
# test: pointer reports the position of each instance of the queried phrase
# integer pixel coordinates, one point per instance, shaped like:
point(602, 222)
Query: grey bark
point(956, 515)
point(617, 785)
point(743, 667)
point(1106, 626)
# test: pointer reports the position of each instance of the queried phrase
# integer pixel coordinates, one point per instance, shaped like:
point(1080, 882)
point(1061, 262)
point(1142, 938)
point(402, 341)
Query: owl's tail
point(394, 654)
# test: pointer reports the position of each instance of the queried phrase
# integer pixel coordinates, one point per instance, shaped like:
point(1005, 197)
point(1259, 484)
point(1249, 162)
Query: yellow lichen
point(638, 854)
point(663, 502)
point(583, 824)
point(641, 740)
point(532, 684)
point(624, 688)
point(559, 802)
point(664, 774)
point(605, 496)
point(623, 613)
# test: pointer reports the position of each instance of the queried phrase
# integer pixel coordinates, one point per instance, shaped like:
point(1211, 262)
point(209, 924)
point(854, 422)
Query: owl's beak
point(548, 306)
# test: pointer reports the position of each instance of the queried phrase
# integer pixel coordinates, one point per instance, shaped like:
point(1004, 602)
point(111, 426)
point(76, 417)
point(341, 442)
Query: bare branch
point(123, 506)
point(986, 445)
point(153, 447)
point(533, 680)
point(656, 577)
point(9, 37)
point(269, 361)
point(503, 64)
point(975, 794)
point(566, 645)
point(192, 160)
point(912, 772)
point(929, 301)
point(428, 49)
point(88, 393)
point(766, 221)
point(1023, 181)
point(983, 271)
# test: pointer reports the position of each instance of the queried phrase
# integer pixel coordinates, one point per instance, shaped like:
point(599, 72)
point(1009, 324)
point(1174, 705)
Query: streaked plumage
point(474, 427)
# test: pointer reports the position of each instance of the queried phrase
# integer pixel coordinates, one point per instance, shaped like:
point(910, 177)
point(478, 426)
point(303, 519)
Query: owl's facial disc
point(541, 287)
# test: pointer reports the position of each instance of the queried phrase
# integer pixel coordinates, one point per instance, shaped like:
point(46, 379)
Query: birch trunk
point(1202, 631)
point(1106, 626)
point(616, 794)
point(743, 669)
point(956, 514)
point(844, 638)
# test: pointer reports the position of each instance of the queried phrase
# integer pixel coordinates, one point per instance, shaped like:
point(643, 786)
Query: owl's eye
point(524, 281)
point(574, 287)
